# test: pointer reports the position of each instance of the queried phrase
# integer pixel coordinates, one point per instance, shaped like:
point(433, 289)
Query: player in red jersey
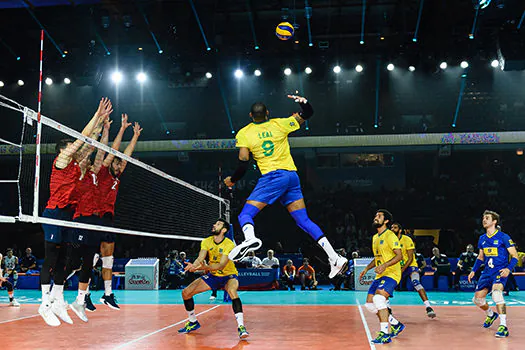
point(108, 185)
point(85, 242)
point(60, 206)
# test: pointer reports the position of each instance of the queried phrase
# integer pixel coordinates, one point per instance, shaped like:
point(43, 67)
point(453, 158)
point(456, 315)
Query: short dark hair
point(225, 224)
point(388, 216)
point(495, 216)
point(306, 260)
point(398, 225)
point(62, 144)
point(259, 111)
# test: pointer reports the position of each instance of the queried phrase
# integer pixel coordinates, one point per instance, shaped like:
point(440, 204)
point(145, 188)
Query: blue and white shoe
point(190, 327)
point(503, 332)
point(242, 249)
point(243, 333)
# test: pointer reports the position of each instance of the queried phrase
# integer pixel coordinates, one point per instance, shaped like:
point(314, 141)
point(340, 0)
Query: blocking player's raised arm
point(131, 147)
point(100, 153)
point(118, 139)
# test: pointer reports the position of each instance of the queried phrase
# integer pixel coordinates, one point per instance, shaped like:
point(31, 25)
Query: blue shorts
point(488, 279)
point(409, 271)
point(279, 184)
point(388, 284)
point(217, 282)
point(86, 237)
point(57, 234)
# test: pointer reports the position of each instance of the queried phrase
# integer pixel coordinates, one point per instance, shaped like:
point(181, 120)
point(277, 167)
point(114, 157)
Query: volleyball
point(284, 31)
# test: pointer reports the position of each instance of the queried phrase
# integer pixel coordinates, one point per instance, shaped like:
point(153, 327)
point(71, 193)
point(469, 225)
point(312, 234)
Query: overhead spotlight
point(161, 51)
point(308, 70)
point(2, 84)
point(464, 65)
point(20, 82)
point(297, 41)
point(63, 55)
point(471, 36)
point(311, 44)
point(167, 132)
point(337, 69)
point(287, 71)
point(209, 75)
point(116, 77)
point(390, 67)
point(233, 131)
point(412, 68)
point(494, 63)
point(362, 42)
point(140, 49)
point(257, 47)
point(208, 48)
point(49, 81)
point(414, 40)
point(18, 58)
point(67, 81)
point(238, 74)
point(359, 68)
point(141, 77)
point(443, 65)
point(257, 73)
point(454, 125)
point(376, 126)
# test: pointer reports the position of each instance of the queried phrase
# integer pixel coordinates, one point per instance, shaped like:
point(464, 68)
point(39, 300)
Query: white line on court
point(20, 318)
point(162, 329)
point(367, 330)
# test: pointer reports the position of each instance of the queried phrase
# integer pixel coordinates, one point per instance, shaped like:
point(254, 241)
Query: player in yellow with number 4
point(267, 140)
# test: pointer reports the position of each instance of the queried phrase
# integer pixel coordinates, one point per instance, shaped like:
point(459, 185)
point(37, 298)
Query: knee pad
point(247, 214)
point(379, 302)
point(414, 277)
point(371, 307)
point(497, 296)
point(479, 301)
point(107, 262)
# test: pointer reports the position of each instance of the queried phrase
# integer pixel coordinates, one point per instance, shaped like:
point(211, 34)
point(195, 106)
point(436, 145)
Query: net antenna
point(176, 206)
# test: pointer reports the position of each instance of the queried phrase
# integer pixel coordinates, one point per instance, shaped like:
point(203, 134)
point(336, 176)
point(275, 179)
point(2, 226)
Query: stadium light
point(116, 77)
point(238, 74)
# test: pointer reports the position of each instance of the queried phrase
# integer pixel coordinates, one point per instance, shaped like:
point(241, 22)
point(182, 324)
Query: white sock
point(57, 293)
point(392, 320)
point(81, 296)
point(323, 242)
point(427, 303)
point(503, 320)
point(384, 327)
point(46, 291)
point(107, 288)
point(240, 319)
point(489, 312)
point(191, 316)
point(87, 289)
point(249, 231)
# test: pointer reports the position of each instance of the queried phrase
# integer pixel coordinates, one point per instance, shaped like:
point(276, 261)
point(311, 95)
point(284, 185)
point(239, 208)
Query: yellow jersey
point(383, 246)
point(406, 244)
point(268, 142)
point(215, 253)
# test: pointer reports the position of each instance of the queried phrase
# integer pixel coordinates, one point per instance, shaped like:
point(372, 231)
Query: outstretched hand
point(298, 99)
point(137, 129)
point(228, 182)
point(124, 121)
point(105, 108)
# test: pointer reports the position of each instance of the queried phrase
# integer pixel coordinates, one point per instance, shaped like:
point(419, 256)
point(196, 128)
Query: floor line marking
point(20, 318)
point(162, 329)
point(365, 324)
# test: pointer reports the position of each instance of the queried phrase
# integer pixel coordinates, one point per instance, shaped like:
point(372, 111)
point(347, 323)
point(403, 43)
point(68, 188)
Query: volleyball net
point(149, 202)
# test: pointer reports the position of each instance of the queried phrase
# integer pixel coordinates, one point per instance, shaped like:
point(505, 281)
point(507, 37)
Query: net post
point(38, 135)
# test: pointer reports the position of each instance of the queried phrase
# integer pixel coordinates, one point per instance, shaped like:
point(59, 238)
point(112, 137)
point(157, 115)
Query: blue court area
point(319, 297)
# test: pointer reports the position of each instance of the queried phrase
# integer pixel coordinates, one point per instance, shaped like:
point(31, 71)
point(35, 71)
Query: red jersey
point(62, 185)
point(88, 196)
point(107, 188)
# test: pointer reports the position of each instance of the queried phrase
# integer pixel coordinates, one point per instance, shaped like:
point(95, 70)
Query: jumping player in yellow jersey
point(387, 258)
point(221, 273)
point(267, 140)
point(409, 265)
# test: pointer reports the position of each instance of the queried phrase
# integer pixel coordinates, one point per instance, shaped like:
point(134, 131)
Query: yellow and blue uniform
point(496, 257)
point(218, 279)
point(383, 245)
point(268, 143)
point(406, 243)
